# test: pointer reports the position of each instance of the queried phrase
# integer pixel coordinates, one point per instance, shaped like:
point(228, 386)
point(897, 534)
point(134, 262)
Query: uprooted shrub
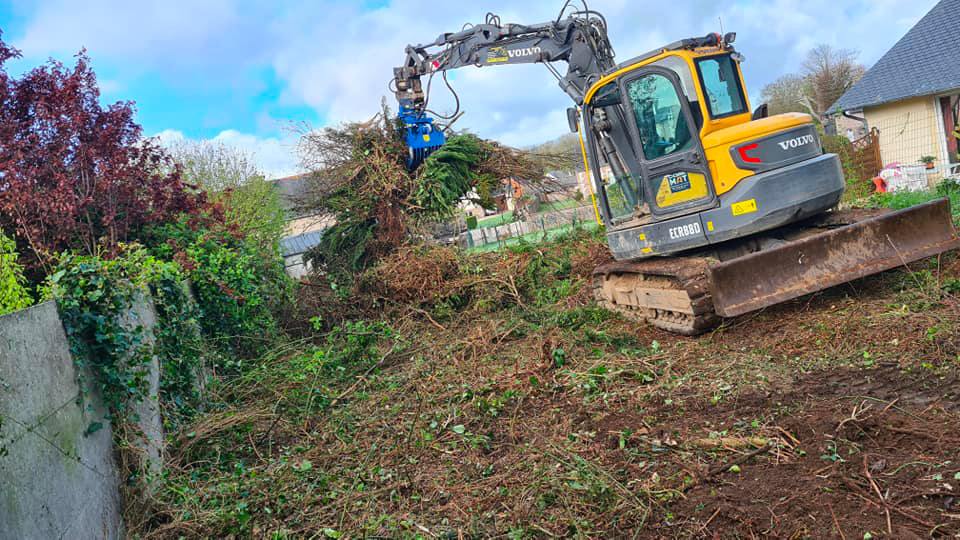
point(361, 178)
point(445, 282)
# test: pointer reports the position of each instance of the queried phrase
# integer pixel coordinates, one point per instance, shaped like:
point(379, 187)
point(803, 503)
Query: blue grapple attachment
point(421, 134)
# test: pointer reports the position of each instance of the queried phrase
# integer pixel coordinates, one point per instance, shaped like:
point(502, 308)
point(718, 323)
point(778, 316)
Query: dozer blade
point(833, 257)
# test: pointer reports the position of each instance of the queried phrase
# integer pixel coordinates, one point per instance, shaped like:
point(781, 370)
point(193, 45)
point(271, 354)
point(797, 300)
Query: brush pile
point(361, 178)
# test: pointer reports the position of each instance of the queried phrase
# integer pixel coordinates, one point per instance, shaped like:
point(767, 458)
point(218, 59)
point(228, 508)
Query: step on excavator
point(710, 210)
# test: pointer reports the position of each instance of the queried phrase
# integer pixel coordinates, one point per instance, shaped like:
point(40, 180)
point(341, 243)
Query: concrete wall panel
point(57, 479)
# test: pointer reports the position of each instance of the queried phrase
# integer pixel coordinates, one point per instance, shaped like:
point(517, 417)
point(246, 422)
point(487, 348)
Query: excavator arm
point(580, 40)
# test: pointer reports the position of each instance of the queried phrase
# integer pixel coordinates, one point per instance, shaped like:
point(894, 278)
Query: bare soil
point(530, 413)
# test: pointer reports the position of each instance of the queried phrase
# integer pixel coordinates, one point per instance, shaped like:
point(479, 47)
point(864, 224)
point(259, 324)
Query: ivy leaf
point(92, 428)
point(459, 429)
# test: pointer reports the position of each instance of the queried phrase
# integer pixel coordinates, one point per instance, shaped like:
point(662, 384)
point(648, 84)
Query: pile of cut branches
point(360, 177)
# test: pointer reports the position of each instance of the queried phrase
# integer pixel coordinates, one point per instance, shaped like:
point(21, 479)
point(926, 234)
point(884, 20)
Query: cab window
point(721, 84)
point(659, 116)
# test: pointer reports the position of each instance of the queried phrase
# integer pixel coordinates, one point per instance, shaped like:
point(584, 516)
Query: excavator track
point(672, 294)
point(689, 294)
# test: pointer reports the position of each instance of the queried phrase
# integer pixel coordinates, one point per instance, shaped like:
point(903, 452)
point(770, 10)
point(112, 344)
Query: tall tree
point(76, 175)
point(829, 73)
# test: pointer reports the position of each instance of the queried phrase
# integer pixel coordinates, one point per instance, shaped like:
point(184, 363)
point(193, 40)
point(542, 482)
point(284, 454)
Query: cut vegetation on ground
point(475, 396)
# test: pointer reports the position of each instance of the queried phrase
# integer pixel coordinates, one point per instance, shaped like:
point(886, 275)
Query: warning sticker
point(678, 182)
point(497, 54)
point(744, 207)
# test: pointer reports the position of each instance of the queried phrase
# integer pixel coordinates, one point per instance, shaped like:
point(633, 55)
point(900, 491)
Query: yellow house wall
point(908, 130)
point(307, 224)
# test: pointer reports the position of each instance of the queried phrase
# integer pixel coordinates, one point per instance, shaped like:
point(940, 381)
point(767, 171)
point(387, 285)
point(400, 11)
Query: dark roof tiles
point(925, 61)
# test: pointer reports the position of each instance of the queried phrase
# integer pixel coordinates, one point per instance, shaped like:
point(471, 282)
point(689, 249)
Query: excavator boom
point(580, 40)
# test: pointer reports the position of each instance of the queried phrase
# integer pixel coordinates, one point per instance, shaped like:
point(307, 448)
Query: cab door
point(676, 179)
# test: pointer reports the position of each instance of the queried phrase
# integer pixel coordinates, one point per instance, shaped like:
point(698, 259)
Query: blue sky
point(242, 72)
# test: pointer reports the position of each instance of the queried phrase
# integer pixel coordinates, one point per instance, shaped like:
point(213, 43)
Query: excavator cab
point(676, 147)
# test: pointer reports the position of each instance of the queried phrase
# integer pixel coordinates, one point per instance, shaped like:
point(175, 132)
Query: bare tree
point(829, 73)
point(785, 94)
point(213, 166)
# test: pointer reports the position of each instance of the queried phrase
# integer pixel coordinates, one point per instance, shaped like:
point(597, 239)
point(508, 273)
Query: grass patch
point(560, 205)
point(495, 221)
point(507, 217)
point(536, 237)
point(905, 199)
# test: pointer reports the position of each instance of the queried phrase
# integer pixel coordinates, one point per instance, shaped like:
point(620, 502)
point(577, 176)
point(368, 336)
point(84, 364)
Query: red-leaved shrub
point(74, 174)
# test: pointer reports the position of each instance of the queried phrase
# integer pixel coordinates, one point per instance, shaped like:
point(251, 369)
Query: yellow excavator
point(711, 211)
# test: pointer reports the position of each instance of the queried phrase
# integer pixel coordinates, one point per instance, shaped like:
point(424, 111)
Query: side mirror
point(761, 112)
point(573, 119)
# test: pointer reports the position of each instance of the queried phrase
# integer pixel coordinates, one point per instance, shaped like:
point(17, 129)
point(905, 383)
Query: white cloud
point(337, 58)
point(175, 36)
point(275, 157)
point(346, 74)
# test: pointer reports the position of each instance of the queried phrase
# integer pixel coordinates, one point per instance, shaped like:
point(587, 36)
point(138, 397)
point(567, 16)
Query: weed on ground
point(485, 395)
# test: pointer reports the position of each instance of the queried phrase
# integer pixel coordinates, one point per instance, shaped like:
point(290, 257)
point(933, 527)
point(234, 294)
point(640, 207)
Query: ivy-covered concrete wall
point(58, 473)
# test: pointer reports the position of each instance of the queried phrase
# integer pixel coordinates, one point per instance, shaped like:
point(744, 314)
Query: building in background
point(560, 186)
point(585, 181)
point(912, 95)
point(304, 228)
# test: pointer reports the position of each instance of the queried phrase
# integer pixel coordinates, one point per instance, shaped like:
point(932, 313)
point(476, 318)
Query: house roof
point(564, 178)
point(925, 61)
point(295, 245)
point(291, 190)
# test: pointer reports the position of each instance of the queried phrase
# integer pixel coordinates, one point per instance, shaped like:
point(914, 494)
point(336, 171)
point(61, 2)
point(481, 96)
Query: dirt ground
point(850, 452)
point(542, 416)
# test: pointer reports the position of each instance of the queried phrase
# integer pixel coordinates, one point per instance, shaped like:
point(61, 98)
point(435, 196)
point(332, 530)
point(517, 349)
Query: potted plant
point(928, 161)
